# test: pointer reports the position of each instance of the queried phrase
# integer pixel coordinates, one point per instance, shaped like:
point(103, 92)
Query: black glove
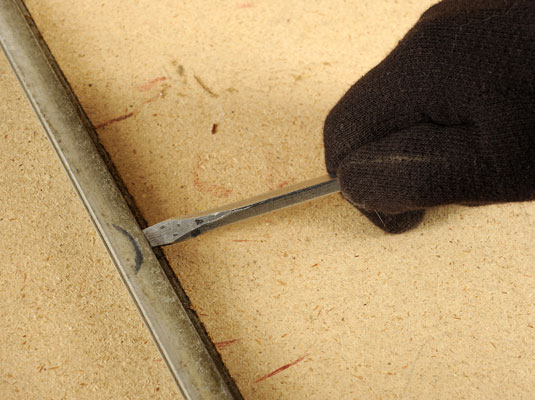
point(447, 117)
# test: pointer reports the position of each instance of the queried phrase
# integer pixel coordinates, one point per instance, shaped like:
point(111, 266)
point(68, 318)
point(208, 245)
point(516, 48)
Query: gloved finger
point(395, 223)
point(385, 100)
point(423, 166)
point(414, 84)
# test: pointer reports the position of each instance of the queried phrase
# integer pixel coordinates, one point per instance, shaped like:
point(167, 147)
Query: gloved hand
point(447, 117)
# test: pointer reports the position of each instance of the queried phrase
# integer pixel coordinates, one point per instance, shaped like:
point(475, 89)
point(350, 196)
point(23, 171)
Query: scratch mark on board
point(278, 370)
point(203, 85)
point(116, 119)
point(222, 345)
point(148, 85)
point(144, 87)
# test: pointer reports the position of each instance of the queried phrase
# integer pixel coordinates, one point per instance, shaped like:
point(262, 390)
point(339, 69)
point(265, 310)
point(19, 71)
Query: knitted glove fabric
point(447, 117)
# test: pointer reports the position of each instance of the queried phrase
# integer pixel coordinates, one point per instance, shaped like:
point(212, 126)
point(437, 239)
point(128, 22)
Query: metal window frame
point(176, 330)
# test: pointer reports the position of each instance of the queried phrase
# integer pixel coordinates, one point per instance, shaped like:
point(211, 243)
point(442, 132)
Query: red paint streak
point(222, 345)
point(280, 369)
point(148, 85)
point(249, 240)
point(245, 5)
point(207, 187)
point(113, 120)
point(315, 265)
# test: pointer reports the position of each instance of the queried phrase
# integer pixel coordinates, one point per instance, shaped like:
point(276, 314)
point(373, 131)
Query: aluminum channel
point(176, 331)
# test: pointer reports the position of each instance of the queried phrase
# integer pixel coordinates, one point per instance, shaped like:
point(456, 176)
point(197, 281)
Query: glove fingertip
point(395, 223)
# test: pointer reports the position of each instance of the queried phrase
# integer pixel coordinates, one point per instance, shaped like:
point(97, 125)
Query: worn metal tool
point(177, 230)
point(177, 332)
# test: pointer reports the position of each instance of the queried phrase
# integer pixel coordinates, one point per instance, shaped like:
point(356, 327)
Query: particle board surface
point(201, 103)
point(68, 329)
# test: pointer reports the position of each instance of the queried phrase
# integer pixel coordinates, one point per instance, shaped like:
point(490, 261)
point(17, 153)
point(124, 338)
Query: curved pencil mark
point(135, 243)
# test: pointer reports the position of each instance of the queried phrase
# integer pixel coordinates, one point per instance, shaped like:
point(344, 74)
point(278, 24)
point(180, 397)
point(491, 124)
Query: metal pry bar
point(160, 300)
point(179, 229)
